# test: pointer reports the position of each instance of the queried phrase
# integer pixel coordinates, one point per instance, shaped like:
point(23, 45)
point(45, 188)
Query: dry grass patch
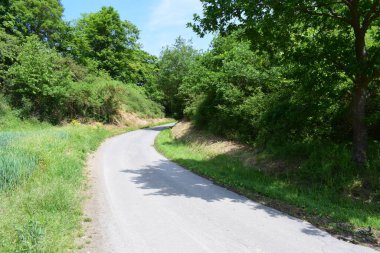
point(131, 119)
point(214, 146)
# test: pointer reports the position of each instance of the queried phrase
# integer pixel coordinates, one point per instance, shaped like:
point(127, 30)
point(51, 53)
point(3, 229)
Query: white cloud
point(173, 13)
point(167, 20)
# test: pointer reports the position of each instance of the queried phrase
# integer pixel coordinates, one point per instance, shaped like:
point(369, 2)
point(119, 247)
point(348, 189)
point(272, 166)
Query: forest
point(295, 80)
point(54, 70)
point(299, 79)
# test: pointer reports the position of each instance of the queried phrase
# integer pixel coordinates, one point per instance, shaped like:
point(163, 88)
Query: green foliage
point(173, 67)
point(38, 80)
point(336, 41)
point(135, 100)
point(34, 17)
point(9, 48)
point(326, 186)
point(50, 87)
point(41, 209)
point(298, 110)
point(101, 98)
point(97, 99)
point(109, 43)
point(29, 237)
point(227, 89)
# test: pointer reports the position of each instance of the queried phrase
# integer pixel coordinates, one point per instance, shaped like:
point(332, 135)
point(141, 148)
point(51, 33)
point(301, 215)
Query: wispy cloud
point(173, 13)
point(167, 20)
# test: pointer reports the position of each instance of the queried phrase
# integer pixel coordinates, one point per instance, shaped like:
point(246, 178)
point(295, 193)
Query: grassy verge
point(41, 177)
point(321, 206)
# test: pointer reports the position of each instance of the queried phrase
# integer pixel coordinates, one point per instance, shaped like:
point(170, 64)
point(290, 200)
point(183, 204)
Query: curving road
point(144, 203)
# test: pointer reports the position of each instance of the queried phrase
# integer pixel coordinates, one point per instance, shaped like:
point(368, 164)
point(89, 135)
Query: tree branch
point(372, 14)
point(376, 74)
point(347, 2)
point(312, 10)
point(330, 14)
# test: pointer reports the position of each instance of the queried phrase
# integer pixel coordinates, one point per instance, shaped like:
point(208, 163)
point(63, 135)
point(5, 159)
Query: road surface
point(144, 203)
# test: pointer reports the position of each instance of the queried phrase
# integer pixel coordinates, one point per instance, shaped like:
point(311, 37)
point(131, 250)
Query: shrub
point(135, 100)
point(9, 48)
point(38, 81)
point(95, 98)
point(100, 98)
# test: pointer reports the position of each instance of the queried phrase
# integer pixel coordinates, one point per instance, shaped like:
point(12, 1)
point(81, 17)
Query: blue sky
point(160, 21)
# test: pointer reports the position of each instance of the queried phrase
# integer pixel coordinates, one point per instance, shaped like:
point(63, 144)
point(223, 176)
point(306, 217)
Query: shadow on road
point(160, 128)
point(165, 178)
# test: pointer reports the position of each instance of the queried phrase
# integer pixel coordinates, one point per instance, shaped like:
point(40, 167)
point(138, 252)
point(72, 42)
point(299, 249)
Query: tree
point(173, 67)
point(105, 40)
point(38, 81)
point(9, 49)
point(348, 32)
point(34, 17)
point(227, 89)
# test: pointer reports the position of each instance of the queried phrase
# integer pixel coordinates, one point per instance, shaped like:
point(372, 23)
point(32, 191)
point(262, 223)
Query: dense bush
point(135, 100)
point(54, 71)
point(44, 84)
point(174, 65)
point(240, 93)
point(228, 88)
point(9, 49)
point(38, 80)
point(100, 98)
point(294, 110)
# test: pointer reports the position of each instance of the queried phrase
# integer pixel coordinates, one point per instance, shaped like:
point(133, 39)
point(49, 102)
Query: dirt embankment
point(219, 146)
point(134, 120)
point(214, 146)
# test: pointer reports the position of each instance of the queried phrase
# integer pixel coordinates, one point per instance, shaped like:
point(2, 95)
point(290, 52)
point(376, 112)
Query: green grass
point(41, 183)
point(315, 202)
point(42, 180)
point(136, 101)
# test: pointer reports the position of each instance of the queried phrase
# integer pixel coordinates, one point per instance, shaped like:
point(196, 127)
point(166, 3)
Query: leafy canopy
point(34, 17)
point(173, 66)
point(105, 40)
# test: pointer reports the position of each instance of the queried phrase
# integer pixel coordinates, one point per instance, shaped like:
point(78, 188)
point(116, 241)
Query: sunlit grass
point(41, 181)
point(229, 171)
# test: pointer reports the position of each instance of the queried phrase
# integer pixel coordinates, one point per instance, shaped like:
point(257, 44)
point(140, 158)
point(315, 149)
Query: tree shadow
point(165, 178)
point(160, 128)
point(168, 179)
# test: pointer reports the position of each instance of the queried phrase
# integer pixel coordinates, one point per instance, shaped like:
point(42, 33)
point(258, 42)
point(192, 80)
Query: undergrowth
point(40, 186)
point(311, 188)
point(41, 177)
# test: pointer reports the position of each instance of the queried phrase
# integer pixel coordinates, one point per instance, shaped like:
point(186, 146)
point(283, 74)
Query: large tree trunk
point(360, 132)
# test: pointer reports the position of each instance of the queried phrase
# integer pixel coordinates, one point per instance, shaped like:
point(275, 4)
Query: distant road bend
point(145, 203)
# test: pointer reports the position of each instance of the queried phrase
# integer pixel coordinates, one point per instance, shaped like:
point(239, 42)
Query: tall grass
point(41, 177)
point(15, 162)
point(319, 201)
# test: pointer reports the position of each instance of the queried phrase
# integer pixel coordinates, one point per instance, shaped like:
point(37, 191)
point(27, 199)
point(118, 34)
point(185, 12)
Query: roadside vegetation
point(284, 112)
point(276, 182)
point(298, 83)
point(42, 181)
point(62, 92)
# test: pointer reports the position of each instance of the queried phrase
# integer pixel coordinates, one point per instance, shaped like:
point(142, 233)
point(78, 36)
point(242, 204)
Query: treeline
point(55, 70)
point(286, 80)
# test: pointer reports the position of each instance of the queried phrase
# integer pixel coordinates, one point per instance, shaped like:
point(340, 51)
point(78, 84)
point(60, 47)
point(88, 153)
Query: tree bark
point(360, 132)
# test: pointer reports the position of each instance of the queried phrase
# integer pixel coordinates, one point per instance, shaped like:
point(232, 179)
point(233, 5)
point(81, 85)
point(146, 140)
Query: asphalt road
point(145, 203)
